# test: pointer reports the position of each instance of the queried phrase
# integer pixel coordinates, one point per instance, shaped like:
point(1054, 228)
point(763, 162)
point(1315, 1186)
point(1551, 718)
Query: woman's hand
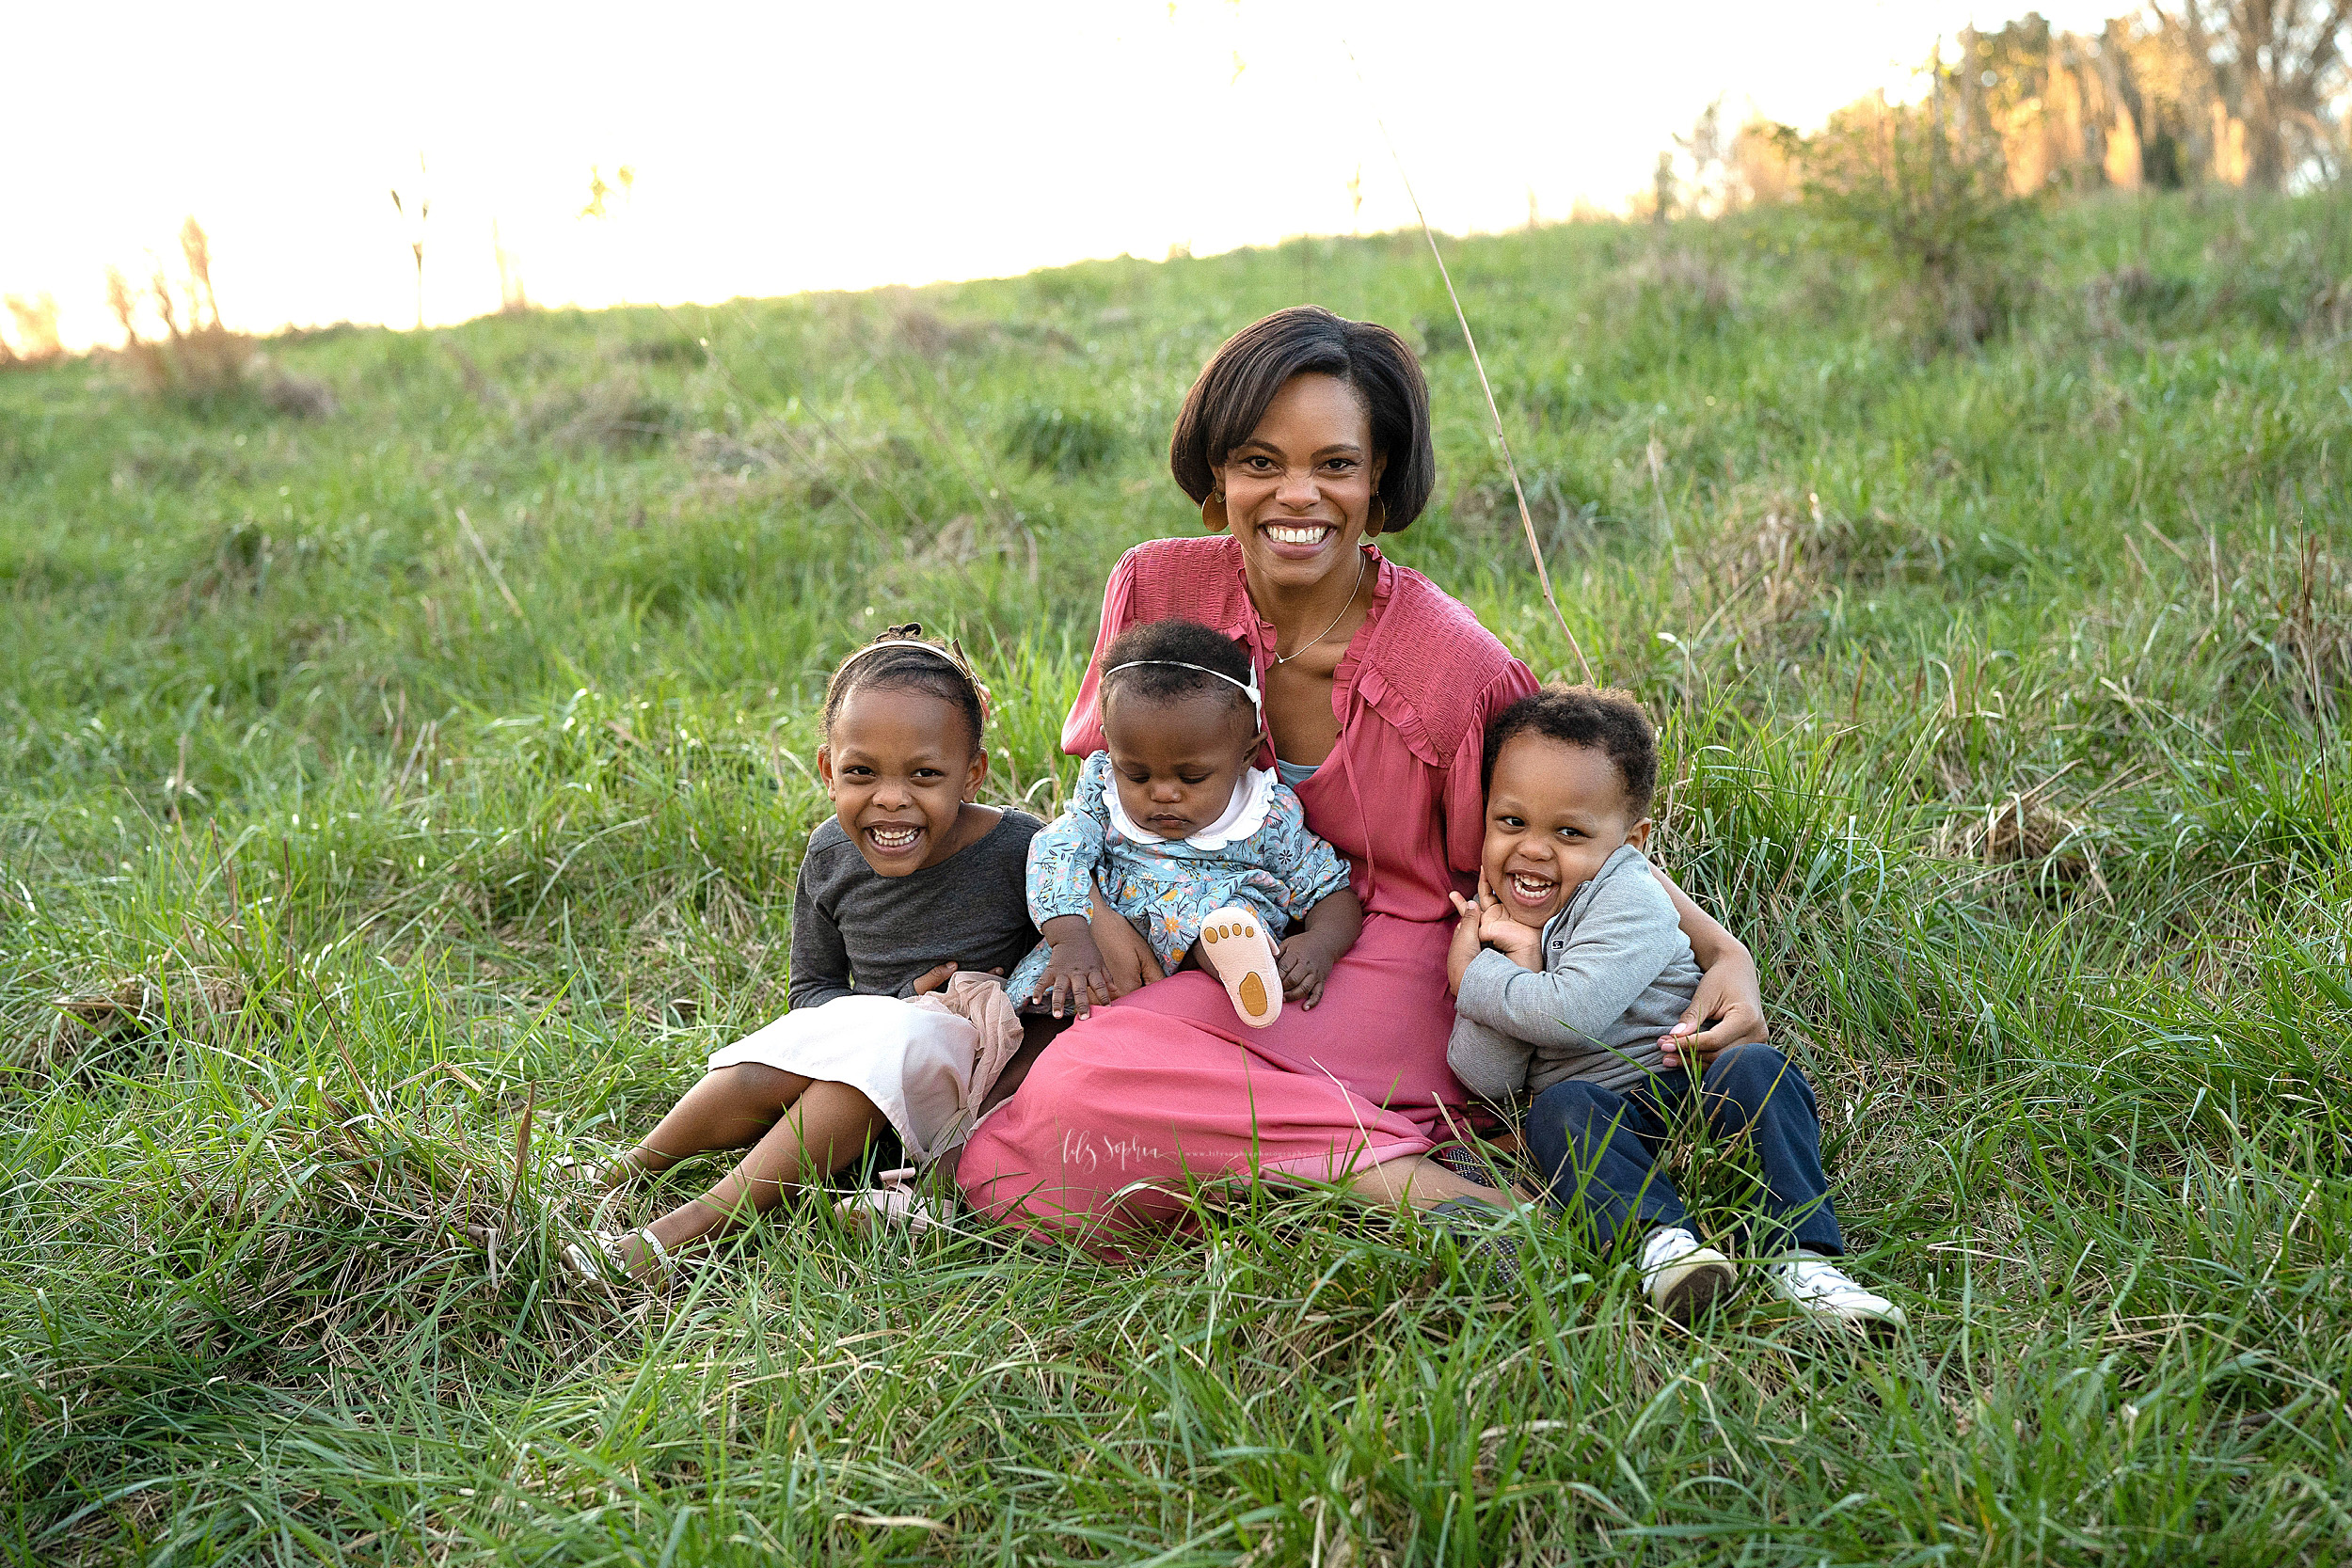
point(1127, 959)
point(1075, 977)
point(1726, 1010)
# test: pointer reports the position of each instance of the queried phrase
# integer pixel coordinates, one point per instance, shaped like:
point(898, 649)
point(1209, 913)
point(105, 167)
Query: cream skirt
point(914, 1063)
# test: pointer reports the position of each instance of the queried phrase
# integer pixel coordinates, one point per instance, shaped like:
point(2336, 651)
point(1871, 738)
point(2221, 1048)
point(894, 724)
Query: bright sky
point(783, 145)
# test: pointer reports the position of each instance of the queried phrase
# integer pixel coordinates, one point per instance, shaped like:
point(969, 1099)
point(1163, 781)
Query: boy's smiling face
point(1554, 814)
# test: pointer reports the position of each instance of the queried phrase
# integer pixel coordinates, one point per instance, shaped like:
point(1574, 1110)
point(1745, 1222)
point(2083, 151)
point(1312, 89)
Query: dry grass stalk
point(1478, 362)
point(202, 360)
point(196, 248)
point(2312, 636)
point(498, 578)
point(513, 300)
point(423, 203)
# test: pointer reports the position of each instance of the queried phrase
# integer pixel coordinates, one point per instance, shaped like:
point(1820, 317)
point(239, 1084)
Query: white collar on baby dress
point(1253, 798)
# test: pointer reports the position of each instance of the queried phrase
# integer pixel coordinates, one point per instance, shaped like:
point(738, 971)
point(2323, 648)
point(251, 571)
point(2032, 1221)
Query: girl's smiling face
point(901, 767)
point(1298, 492)
point(1176, 762)
point(1555, 813)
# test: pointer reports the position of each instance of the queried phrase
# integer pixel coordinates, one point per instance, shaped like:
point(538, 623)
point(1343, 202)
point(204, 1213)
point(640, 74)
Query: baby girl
point(1209, 857)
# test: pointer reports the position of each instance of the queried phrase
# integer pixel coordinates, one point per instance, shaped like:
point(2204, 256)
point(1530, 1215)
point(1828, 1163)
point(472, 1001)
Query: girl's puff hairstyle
point(1226, 403)
point(900, 658)
point(1174, 659)
point(1611, 721)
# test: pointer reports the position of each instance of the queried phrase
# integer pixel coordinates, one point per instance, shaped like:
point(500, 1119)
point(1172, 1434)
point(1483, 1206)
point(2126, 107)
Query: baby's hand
point(1522, 944)
point(1075, 976)
point(1305, 965)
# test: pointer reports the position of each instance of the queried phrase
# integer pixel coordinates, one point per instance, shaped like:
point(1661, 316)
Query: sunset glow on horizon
point(777, 149)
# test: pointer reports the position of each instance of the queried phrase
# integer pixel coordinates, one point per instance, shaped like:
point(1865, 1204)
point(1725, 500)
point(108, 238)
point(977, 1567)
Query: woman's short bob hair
point(1231, 395)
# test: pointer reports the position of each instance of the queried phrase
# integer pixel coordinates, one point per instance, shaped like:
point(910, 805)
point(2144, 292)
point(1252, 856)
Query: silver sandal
point(596, 1174)
point(597, 1261)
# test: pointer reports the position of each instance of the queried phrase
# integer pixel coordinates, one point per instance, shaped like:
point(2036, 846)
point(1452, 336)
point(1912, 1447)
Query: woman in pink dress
point(1305, 438)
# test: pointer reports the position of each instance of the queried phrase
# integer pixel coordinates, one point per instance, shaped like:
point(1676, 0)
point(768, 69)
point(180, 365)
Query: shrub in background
point(1066, 440)
point(36, 332)
point(1928, 200)
point(198, 362)
point(202, 363)
point(620, 413)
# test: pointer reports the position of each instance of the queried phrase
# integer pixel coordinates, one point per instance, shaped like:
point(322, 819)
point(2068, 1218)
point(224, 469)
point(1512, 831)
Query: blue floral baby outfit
point(1258, 854)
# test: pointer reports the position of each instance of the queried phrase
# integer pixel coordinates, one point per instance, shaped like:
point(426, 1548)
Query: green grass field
point(377, 785)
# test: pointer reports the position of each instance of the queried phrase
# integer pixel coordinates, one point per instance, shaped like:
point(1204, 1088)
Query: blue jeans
point(1597, 1148)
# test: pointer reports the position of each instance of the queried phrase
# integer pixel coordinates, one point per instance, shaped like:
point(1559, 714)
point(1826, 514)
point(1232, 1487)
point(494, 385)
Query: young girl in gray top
point(1569, 972)
point(908, 882)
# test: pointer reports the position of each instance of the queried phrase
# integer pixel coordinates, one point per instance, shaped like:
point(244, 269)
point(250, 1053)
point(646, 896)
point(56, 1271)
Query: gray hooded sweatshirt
point(1617, 973)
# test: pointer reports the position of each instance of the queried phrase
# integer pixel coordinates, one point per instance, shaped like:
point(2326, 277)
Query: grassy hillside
point(375, 787)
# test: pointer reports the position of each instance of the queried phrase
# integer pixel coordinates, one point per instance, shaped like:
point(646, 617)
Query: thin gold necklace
point(1361, 562)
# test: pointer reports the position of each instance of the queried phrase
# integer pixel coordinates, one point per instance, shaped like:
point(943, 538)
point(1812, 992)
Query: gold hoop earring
point(1213, 513)
point(1378, 522)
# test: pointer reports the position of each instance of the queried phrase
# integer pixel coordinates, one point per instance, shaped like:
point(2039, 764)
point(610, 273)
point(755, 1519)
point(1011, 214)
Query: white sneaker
point(1682, 1274)
point(1817, 1285)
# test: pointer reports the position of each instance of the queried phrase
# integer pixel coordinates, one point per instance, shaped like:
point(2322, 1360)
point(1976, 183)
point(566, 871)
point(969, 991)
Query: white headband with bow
point(1249, 691)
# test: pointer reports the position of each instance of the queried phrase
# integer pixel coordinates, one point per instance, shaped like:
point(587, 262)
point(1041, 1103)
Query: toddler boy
point(1566, 974)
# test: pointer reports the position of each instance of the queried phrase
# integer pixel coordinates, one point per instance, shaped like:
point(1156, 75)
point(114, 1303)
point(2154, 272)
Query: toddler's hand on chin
point(1521, 944)
point(1466, 944)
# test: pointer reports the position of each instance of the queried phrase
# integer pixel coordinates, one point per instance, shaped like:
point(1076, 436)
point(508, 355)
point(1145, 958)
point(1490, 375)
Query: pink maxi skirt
point(1166, 1087)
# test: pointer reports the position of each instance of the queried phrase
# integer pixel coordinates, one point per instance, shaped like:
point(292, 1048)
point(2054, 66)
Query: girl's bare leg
point(731, 1108)
point(826, 1127)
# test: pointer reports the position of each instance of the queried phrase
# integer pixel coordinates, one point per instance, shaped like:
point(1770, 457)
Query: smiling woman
point(1305, 438)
